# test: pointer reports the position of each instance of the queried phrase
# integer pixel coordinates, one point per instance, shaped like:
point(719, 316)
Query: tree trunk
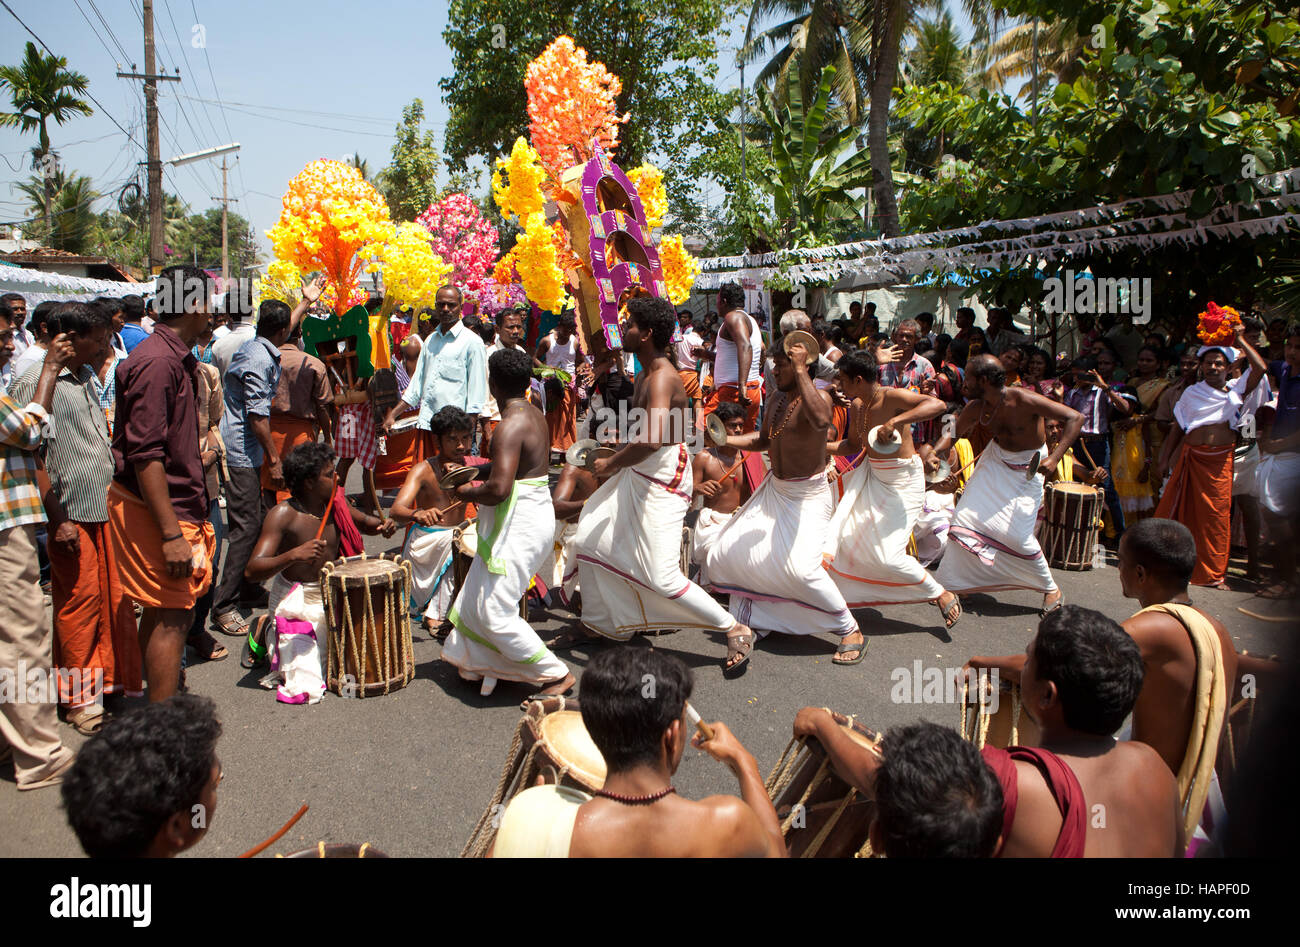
point(45, 180)
point(882, 91)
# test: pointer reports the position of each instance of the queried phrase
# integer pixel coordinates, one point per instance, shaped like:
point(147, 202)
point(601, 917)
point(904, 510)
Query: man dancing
point(490, 640)
point(866, 548)
point(991, 543)
point(768, 558)
point(630, 532)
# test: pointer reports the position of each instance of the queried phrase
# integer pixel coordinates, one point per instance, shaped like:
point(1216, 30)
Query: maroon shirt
point(156, 417)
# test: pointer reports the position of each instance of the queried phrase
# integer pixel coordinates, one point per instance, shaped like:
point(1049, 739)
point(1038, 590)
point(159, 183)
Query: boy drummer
point(433, 514)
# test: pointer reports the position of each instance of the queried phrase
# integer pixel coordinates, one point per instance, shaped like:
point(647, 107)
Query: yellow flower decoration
point(649, 182)
point(521, 193)
point(680, 269)
point(331, 221)
point(283, 281)
point(538, 266)
point(412, 271)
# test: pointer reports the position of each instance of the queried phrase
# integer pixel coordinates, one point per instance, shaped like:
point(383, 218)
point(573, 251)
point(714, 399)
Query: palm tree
point(69, 208)
point(42, 88)
point(362, 165)
point(1011, 56)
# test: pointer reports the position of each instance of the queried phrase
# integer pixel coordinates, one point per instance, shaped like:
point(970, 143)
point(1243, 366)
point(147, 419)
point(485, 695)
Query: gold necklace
point(985, 421)
point(866, 414)
point(791, 407)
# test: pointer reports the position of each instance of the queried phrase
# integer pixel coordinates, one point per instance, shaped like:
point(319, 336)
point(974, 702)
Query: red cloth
point(1062, 782)
point(562, 421)
point(1199, 495)
point(350, 543)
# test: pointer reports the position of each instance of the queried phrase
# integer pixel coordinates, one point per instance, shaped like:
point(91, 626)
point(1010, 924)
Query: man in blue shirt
point(249, 383)
point(1279, 469)
point(132, 333)
point(451, 370)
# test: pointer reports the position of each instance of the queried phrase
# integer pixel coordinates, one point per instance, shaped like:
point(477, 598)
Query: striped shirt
point(108, 391)
point(21, 431)
point(78, 453)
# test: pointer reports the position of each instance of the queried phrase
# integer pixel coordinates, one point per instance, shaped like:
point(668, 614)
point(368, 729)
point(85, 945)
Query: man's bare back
point(1162, 717)
point(715, 827)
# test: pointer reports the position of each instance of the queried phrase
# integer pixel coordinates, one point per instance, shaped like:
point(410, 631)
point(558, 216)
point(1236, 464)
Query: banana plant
point(810, 179)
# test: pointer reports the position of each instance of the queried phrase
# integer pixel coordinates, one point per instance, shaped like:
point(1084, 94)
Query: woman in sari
point(1137, 439)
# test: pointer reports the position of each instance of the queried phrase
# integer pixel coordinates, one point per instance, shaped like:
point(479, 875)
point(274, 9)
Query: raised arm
point(1072, 420)
point(1257, 366)
point(265, 562)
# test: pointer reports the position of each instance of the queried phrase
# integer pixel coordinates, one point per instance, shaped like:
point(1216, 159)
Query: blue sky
point(298, 81)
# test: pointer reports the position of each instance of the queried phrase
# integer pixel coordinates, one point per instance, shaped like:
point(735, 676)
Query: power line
point(87, 94)
point(327, 128)
point(273, 108)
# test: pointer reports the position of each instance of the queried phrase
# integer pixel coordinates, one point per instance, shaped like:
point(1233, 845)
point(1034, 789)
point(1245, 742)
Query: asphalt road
point(412, 772)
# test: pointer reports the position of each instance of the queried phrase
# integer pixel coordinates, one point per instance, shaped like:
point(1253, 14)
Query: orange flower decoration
point(1218, 325)
point(570, 102)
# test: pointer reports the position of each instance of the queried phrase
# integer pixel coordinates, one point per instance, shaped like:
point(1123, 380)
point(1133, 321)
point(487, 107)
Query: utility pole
point(151, 134)
point(225, 241)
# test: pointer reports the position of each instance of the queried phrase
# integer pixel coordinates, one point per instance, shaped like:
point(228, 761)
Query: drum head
point(570, 746)
point(1069, 486)
point(716, 430)
point(457, 476)
point(891, 446)
point(577, 453)
point(806, 338)
point(940, 475)
point(402, 425)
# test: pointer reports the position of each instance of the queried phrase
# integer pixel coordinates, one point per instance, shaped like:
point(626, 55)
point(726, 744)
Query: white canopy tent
point(37, 286)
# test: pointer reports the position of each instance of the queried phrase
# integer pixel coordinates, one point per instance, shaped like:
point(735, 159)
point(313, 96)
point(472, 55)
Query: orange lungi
point(94, 625)
point(404, 451)
point(287, 432)
point(691, 382)
point(1199, 495)
point(563, 420)
point(136, 544)
point(753, 391)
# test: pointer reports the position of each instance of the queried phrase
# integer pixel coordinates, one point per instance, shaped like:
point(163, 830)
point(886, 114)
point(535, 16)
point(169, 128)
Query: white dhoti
point(931, 530)
point(429, 550)
point(1278, 478)
point(769, 560)
point(991, 544)
point(489, 638)
point(708, 527)
point(1245, 468)
point(629, 548)
point(866, 545)
point(560, 562)
point(297, 654)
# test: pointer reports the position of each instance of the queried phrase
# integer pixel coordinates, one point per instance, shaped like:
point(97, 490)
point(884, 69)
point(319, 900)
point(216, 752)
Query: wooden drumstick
point(274, 838)
point(1084, 447)
point(329, 509)
point(693, 718)
point(734, 467)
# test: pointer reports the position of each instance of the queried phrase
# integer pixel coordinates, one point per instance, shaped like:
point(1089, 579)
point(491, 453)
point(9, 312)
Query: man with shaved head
point(992, 546)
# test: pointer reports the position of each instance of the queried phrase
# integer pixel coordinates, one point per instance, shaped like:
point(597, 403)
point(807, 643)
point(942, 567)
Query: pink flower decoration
point(462, 238)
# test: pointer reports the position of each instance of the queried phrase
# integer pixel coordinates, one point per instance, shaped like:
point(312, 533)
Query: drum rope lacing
point(783, 774)
point(392, 622)
point(975, 729)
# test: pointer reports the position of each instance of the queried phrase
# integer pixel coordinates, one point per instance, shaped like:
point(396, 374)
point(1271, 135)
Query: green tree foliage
point(410, 182)
point(70, 209)
point(663, 52)
point(200, 237)
point(811, 174)
point(1197, 95)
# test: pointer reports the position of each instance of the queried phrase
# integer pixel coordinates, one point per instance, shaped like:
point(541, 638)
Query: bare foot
point(559, 687)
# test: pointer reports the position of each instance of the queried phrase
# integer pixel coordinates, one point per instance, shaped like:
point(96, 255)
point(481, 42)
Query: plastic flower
point(494, 296)
point(570, 102)
point(283, 281)
point(519, 192)
point(331, 221)
point(413, 272)
point(649, 183)
point(1217, 325)
point(504, 270)
point(680, 269)
point(462, 238)
point(538, 265)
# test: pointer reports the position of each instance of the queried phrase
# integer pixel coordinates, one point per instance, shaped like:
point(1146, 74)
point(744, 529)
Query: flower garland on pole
point(331, 221)
point(571, 102)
